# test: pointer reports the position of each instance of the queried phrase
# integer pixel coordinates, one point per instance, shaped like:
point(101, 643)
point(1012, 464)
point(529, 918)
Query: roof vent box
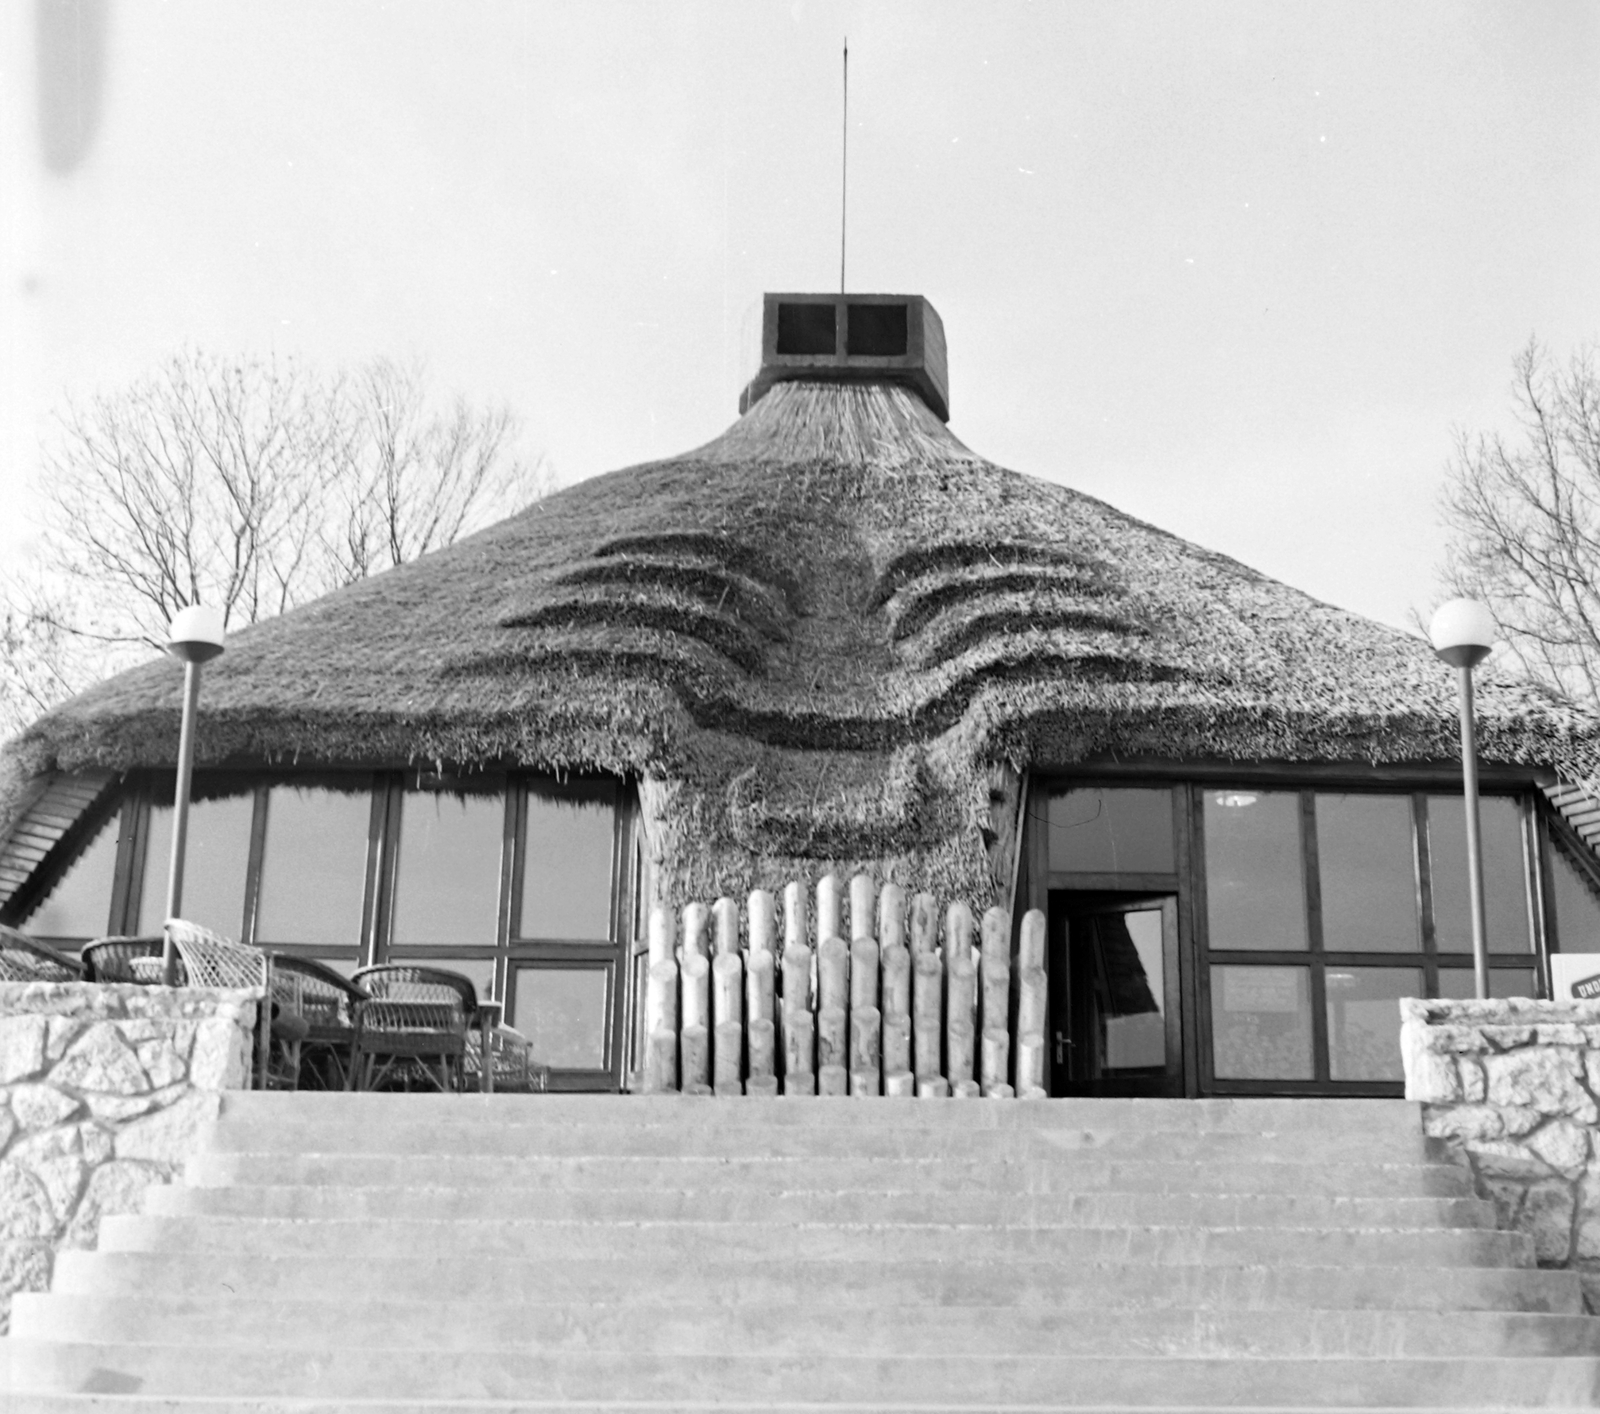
point(852, 339)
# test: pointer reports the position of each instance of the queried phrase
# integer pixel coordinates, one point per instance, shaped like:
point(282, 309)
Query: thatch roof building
point(833, 638)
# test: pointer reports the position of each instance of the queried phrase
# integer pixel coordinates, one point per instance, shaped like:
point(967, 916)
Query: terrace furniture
point(426, 1023)
point(126, 959)
point(325, 1001)
point(511, 1064)
point(412, 1026)
point(25, 959)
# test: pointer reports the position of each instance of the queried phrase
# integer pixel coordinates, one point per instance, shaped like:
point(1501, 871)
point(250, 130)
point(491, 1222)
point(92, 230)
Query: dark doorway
point(1115, 1020)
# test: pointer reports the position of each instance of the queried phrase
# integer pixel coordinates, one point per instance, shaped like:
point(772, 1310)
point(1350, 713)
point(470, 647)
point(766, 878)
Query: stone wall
point(102, 1091)
point(1511, 1087)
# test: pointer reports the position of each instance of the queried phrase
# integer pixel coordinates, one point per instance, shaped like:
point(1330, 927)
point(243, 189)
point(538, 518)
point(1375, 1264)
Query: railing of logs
point(913, 1003)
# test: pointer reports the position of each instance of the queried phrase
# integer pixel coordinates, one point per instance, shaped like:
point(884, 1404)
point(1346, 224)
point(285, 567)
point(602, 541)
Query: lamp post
point(1463, 632)
point(194, 637)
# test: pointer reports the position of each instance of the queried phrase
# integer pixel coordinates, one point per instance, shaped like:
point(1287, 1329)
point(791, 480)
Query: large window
point(515, 882)
point(1324, 908)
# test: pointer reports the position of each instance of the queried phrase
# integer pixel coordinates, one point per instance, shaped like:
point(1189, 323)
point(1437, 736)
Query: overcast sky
point(1239, 269)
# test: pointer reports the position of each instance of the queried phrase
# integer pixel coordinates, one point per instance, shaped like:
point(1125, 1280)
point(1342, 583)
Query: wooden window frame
point(1189, 783)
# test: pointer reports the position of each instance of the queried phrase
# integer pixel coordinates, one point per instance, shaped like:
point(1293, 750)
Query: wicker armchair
point(326, 1003)
point(513, 1067)
point(124, 959)
point(25, 959)
point(412, 1027)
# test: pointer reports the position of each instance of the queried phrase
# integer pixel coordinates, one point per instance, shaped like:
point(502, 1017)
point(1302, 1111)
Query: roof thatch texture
point(811, 637)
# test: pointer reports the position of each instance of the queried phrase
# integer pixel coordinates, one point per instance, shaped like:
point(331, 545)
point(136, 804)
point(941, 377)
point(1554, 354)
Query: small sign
point(1269, 989)
point(1575, 976)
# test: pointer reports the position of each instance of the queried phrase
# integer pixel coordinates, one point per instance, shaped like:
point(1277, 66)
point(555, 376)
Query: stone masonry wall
point(1513, 1088)
point(103, 1088)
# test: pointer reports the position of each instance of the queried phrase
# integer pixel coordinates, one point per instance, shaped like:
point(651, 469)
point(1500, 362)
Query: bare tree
point(252, 485)
point(1524, 520)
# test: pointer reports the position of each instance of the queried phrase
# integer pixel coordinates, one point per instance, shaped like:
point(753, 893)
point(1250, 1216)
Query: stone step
point(1330, 1118)
point(756, 1380)
point(823, 1330)
point(537, 1171)
point(362, 1240)
point(845, 1205)
point(711, 1280)
point(253, 1404)
point(735, 1139)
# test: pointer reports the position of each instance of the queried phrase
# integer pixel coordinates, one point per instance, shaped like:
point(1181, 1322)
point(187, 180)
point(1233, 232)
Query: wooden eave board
point(55, 810)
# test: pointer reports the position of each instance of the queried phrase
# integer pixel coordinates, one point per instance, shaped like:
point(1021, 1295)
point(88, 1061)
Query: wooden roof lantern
point(852, 339)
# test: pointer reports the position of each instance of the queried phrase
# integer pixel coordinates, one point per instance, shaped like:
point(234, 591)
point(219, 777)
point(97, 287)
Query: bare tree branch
point(1524, 522)
point(250, 485)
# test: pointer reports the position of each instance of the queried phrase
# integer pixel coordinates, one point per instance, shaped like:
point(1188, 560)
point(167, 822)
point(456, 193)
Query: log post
point(833, 999)
point(727, 987)
point(761, 1029)
point(927, 1016)
point(863, 973)
point(695, 918)
point(896, 1009)
point(1032, 1006)
point(728, 1045)
point(957, 933)
point(864, 1057)
point(994, 1025)
point(799, 1054)
point(934, 1088)
point(829, 911)
point(726, 914)
point(799, 1029)
point(695, 999)
point(900, 1084)
point(794, 916)
point(833, 975)
point(924, 924)
point(661, 935)
point(960, 999)
point(758, 986)
point(661, 1008)
point(862, 896)
point(696, 1048)
point(891, 916)
point(763, 910)
point(996, 1061)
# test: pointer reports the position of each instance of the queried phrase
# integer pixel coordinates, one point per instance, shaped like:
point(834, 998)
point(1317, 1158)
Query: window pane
point(1096, 831)
point(314, 870)
point(1261, 1023)
point(1364, 1020)
point(563, 1012)
point(1458, 984)
point(566, 875)
point(1365, 860)
point(215, 862)
point(1255, 896)
point(1505, 885)
point(1577, 905)
point(1129, 1000)
point(80, 904)
point(448, 891)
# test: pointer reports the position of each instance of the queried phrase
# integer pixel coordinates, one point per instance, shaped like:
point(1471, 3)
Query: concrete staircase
point(397, 1254)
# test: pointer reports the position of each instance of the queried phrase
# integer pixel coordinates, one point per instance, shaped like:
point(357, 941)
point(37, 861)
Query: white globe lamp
point(195, 636)
point(1463, 632)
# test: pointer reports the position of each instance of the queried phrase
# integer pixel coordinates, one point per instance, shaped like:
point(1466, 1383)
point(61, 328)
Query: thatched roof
point(811, 638)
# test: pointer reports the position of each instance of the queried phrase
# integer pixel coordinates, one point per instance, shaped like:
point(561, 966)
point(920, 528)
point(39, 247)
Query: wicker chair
point(514, 1068)
point(412, 1027)
point(126, 959)
point(25, 959)
point(326, 1002)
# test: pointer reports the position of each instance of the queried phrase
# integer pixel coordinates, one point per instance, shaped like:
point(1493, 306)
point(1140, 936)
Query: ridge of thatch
point(835, 584)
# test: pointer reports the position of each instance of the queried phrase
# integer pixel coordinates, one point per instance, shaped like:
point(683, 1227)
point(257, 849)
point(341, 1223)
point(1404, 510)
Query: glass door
point(1115, 1017)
